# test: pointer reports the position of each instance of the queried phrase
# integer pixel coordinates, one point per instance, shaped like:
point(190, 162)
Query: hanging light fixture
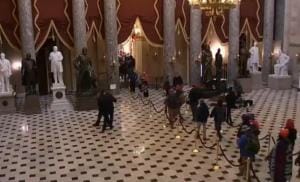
point(214, 8)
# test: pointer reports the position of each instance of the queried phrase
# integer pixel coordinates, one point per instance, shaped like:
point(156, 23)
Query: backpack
point(253, 145)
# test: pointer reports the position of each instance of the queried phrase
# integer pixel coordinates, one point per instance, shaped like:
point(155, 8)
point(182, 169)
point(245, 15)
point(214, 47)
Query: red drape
point(9, 23)
point(150, 14)
point(182, 14)
point(95, 16)
point(55, 14)
point(252, 13)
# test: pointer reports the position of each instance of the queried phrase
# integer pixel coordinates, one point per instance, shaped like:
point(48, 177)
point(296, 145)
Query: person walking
point(106, 104)
point(100, 109)
point(132, 81)
point(193, 101)
point(202, 116)
point(173, 104)
point(281, 158)
point(230, 104)
point(249, 146)
point(219, 115)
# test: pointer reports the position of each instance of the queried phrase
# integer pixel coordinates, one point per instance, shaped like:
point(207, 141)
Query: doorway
point(44, 75)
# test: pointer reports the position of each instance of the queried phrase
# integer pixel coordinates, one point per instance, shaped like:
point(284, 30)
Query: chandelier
point(214, 8)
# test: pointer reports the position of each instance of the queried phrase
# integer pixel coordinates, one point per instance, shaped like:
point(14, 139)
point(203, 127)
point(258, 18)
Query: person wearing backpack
point(249, 146)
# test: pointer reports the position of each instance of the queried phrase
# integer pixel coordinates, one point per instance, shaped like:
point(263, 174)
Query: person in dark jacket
point(202, 116)
point(219, 115)
point(100, 113)
point(290, 125)
point(193, 101)
point(166, 85)
point(106, 105)
point(230, 104)
point(177, 80)
point(297, 163)
point(132, 81)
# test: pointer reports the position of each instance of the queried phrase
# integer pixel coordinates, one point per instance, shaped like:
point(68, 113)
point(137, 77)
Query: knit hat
point(254, 123)
point(284, 133)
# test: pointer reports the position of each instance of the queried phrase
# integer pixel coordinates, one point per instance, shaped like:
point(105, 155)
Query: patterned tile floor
point(64, 146)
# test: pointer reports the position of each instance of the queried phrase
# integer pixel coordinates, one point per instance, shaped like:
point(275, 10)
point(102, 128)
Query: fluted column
point(169, 37)
point(195, 45)
point(79, 26)
point(26, 27)
point(234, 34)
point(268, 37)
point(111, 39)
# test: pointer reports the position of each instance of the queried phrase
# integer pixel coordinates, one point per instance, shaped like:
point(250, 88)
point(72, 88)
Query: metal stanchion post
point(216, 166)
point(269, 144)
point(248, 169)
point(150, 114)
point(177, 129)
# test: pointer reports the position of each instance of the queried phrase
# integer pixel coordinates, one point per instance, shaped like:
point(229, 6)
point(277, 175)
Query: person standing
point(230, 104)
point(177, 80)
point(106, 104)
point(166, 85)
point(290, 125)
point(202, 116)
point(281, 158)
point(219, 115)
point(100, 109)
point(193, 101)
point(132, 81)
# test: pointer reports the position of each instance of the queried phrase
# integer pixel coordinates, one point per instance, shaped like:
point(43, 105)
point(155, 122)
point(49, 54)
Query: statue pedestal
point(7, 103)
point(59, 102)
point(280, 82)
point(246, 84)
point(256, 79)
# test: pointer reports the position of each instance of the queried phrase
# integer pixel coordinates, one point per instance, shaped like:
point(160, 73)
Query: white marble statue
point(56, 59)
point(281, 66)
point(253, 61)
point(5, 73)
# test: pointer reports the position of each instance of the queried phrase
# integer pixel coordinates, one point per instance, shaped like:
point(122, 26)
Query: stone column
point(26, 27)
point(234, 35)
point(79, 26)
point(195, 45)
point(268, 37)
point(111, 39)
point(286, 38)
point(169, 37)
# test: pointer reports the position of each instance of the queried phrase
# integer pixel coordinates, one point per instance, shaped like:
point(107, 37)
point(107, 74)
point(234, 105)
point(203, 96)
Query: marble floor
point(64, 146)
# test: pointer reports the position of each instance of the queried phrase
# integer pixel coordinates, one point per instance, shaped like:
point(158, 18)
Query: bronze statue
point(206, 64)
point(85, 73)
point(29, 73)
point(218, 65)
point(243, 57)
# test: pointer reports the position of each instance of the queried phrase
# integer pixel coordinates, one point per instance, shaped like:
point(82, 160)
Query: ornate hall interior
point(149, 90)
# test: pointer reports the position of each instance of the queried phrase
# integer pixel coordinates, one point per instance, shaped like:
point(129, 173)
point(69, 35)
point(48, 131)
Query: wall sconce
point(16, 65)
point(155, 54)
point(179, 53)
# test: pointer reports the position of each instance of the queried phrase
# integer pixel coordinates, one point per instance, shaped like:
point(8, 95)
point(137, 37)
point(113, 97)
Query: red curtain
point(150, 14)
point(95, 16)
point(252, 11)
point(55, 14)
point(9, 23)
point(182, 14)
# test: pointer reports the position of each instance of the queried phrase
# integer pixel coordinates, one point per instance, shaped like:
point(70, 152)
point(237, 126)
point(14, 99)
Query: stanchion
point(150, 113)
point(248, 169)
point(177, 135)
point(216, 165)
point(269, 143)
point(195, 150)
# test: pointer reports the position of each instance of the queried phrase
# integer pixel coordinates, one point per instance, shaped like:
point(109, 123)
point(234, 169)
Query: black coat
point(202, 113)
point(106, 102)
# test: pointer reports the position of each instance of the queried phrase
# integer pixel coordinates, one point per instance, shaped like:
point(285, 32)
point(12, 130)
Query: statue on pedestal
point(5, 73)
point(218, 65)
point(29, 72)
point(56, 59)
point(85, 73)
point(281, 66)
point(206, 63)
point(253, 61)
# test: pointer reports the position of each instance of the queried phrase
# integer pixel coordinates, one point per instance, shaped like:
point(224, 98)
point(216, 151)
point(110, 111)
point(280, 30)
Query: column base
point(246, 84)
point(256, 79)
